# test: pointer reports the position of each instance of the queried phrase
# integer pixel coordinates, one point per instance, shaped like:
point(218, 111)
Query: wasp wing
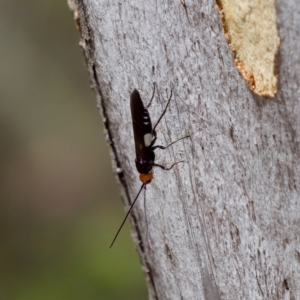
point(142, 126)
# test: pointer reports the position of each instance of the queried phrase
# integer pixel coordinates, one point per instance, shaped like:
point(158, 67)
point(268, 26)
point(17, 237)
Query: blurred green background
point(59, 202)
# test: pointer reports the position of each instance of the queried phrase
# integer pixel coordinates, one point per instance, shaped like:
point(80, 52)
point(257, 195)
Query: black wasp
point(144, 138)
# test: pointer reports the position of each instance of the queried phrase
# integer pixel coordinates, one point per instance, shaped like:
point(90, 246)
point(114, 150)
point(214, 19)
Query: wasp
point(145, 138)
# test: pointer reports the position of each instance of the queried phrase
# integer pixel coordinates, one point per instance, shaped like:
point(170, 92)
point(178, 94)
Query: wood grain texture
point(224, 225)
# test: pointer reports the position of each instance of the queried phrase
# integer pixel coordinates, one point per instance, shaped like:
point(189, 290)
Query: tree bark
point(225, 224)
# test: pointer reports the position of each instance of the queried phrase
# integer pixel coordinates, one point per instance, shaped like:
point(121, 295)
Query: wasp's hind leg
point(163, 113)
point(154, 84)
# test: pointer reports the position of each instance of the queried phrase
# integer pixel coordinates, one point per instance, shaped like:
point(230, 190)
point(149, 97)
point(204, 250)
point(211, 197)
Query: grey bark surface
point(225, 224)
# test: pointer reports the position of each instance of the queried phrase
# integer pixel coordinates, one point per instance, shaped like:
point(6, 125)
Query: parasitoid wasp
point(145, 138)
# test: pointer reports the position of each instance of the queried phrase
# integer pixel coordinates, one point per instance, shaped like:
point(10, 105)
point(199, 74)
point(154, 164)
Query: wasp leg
point(167, 169)
point(165, 110)
point(154, 138)
point(165, 147)
point(154, 84)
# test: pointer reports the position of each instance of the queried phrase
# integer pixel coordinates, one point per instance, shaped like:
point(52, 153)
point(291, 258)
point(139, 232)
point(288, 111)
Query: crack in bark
point(82, 21)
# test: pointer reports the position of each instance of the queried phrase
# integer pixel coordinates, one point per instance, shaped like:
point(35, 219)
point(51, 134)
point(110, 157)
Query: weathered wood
point(225, 224)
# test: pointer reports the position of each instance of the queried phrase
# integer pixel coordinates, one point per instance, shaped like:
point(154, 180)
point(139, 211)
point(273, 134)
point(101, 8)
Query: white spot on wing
point(148, 139)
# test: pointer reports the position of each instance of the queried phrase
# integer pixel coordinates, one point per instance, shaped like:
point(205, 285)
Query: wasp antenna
point(147, 224)
point(126, 216)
